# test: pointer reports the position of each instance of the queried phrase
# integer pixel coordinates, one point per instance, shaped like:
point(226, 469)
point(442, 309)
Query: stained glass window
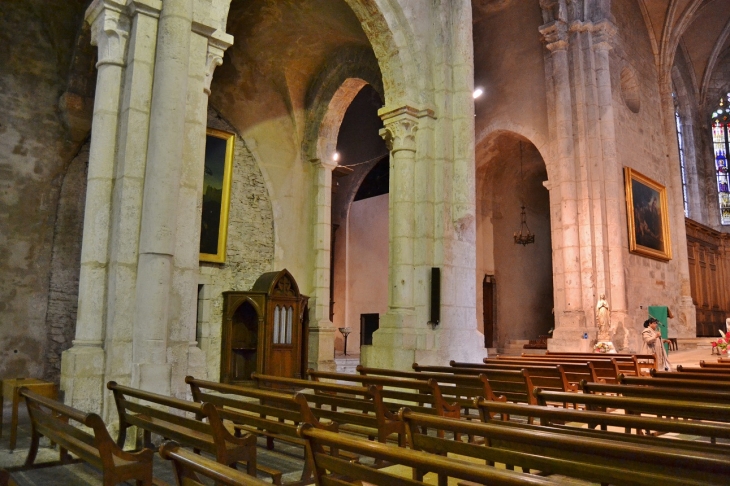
point(680, 143)
point(721, 146)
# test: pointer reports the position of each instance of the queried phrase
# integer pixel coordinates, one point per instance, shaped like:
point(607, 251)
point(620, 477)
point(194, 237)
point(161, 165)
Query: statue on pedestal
point(603, 319)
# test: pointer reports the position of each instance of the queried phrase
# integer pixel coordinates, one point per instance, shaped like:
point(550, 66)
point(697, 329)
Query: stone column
point(151, 369)
point(82, 370)
point(612, 175)
point(321, 330)
point(396, 340)
point(134, 117)
point(206, 53)
point(570, 316)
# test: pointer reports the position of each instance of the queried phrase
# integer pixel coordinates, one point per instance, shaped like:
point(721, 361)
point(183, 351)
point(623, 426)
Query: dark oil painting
point(647, 216)
point(215, 165)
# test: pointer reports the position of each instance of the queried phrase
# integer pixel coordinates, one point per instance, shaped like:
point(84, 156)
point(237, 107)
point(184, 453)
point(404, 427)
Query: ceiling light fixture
point(477, 93)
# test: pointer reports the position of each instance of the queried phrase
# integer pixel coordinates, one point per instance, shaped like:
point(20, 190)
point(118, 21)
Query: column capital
point(604, 34)
point(151, 8)
point(401, 125)
point(555, 35)
point(324, 164)
point(109, 30)
point(218, 42)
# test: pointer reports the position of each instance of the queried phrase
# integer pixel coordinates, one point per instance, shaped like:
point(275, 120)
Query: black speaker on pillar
point(435, 296)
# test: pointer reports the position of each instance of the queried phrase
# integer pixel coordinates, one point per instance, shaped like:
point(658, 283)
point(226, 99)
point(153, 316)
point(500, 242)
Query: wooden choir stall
point(264, 329)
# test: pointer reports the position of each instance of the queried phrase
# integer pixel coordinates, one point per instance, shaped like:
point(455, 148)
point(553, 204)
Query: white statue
point(603, 319)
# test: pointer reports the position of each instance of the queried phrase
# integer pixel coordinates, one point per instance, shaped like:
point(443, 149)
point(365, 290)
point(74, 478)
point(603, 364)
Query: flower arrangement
point(721, 343)
point(602, 348)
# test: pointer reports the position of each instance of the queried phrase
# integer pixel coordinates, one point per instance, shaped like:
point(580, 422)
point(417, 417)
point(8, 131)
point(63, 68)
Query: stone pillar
point(612, 176)
point(570, 316)
point(397, 338)
point(321, 330)
point(82, 370)
point(134, 117)
point(206, 53)
point(157, 247)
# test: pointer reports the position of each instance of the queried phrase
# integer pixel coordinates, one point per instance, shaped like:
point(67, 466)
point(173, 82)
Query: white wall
point(366, 265)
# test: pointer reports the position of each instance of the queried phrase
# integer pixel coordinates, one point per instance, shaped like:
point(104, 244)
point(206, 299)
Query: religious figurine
point(602, 319)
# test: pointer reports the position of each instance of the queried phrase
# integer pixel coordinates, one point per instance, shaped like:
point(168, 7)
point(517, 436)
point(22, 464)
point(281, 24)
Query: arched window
point(680, 143)
point(721, 146)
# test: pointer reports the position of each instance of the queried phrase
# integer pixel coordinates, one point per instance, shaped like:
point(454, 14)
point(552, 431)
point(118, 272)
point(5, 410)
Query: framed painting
point(216, 195)
point(648, 216)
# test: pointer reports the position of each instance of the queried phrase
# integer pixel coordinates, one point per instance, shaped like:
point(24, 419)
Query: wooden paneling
point(708, 252)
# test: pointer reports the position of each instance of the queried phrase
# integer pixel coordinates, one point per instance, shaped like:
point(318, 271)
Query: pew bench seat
point(52, 419)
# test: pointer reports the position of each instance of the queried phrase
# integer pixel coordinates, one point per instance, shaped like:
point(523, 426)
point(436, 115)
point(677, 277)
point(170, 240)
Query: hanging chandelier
point(524, 237)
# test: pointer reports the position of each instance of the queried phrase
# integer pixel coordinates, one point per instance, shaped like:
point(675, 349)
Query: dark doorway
point(369, 323)
point(488, 292)
point(244, 342)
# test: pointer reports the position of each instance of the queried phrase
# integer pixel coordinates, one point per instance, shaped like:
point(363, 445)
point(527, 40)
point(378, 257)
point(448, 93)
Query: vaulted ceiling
point(700, 28)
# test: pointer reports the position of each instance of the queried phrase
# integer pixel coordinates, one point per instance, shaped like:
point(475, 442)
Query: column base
point(321, 347)
point(569, 331)
point(82, 377)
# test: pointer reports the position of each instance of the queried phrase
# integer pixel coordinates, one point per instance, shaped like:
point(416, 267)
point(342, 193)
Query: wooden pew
point(50, 418)
point(574, 372)
point(188, 466)
point(5, 479)
point(720, 365)
point(574, 420)
point(210, 436)
point(604, 369)
point(678, 382)
point(458, 388)
point(364, 412)
point(668, 408)
point(592, 459)
point(343, 473)
point(424, 396)
point(272, 414)
point(712, 396)
point(687, 375)
point(703, 369)
point(621, 364)
point(649, 358)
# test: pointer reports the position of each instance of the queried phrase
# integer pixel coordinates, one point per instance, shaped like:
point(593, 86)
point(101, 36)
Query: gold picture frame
point(647, 214)
point(216, 197)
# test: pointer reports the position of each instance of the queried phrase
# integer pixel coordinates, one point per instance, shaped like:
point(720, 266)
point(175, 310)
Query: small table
point(10, 388)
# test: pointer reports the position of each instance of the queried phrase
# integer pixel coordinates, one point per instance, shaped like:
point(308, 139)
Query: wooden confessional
point(264, 329)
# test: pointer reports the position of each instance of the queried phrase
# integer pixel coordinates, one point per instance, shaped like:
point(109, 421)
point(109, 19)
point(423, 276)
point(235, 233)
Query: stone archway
point(510, 173)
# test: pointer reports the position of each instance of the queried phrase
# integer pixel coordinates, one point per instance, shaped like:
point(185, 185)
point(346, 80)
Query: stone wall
point(63, 293)
point(37, 144)
point(643, 145)
point(250, 249)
